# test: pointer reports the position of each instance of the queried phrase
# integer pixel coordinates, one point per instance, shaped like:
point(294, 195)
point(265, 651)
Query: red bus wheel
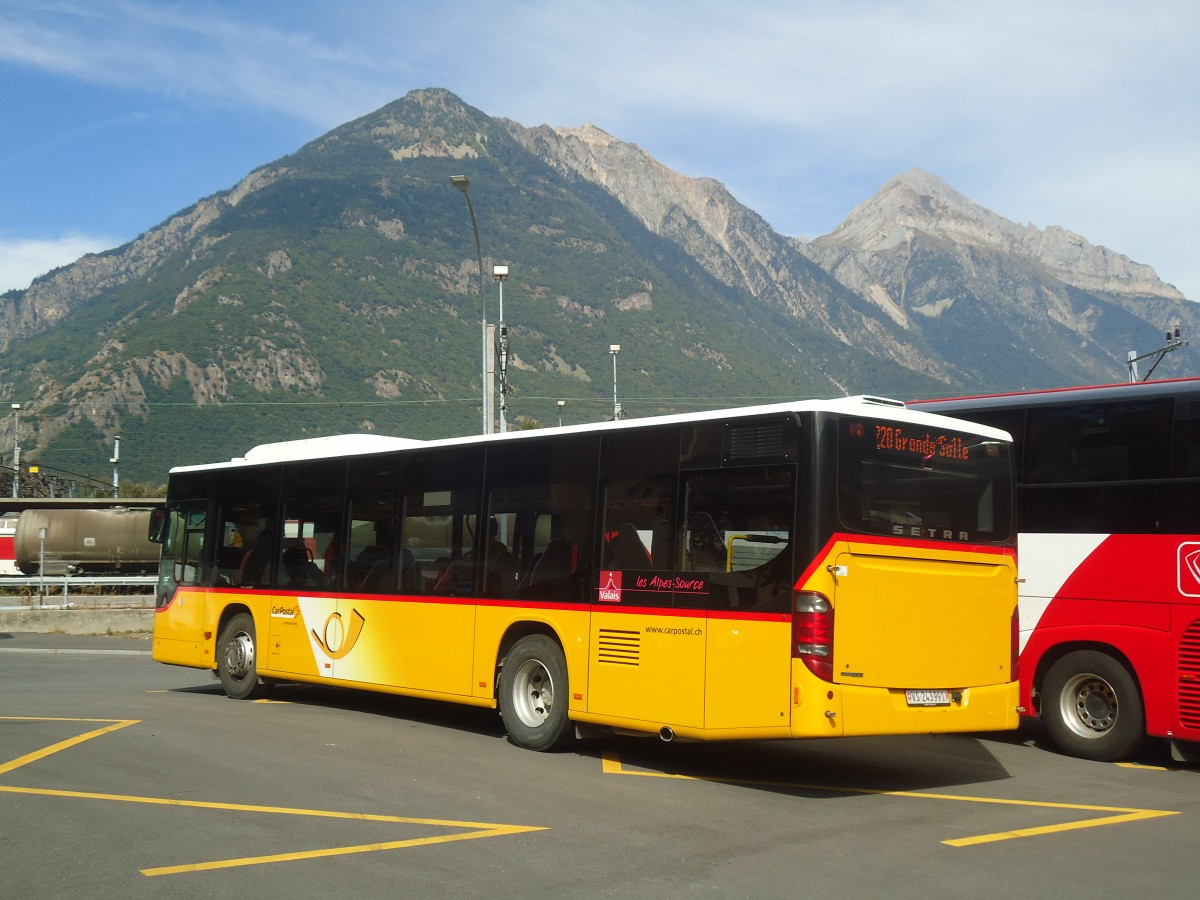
point(1092, 708)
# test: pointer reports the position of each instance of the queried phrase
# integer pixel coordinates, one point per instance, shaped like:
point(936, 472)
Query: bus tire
point(1092, 708)
point(237, 650)
point(533, 695)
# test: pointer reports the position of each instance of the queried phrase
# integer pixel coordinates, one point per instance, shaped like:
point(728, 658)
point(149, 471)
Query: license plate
point(927, 698)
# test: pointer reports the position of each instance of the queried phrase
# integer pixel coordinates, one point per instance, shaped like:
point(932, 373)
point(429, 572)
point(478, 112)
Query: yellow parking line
point(476, 829)
point(338, 851)
point(612, 766)
point(11, 765)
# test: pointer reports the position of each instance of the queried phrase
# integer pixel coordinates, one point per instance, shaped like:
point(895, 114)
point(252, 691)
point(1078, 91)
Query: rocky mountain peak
point(917, 201)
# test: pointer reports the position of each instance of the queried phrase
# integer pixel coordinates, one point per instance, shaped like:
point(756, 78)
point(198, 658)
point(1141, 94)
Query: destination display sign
point(927, 444)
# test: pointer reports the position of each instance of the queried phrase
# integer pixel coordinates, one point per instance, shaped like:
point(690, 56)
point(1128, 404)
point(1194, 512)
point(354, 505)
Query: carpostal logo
point(1187, 568)
point(610, 587)
point(284, 612)
point(339, 637)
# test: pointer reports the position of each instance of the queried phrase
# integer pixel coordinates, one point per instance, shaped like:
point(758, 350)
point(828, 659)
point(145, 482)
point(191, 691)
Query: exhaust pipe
point(666, 734)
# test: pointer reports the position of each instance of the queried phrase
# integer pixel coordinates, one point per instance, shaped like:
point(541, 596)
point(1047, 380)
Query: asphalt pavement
point(32, 642)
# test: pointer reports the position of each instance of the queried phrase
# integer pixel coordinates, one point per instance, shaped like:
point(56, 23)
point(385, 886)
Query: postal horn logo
point(1187, 573)
point(337, 640)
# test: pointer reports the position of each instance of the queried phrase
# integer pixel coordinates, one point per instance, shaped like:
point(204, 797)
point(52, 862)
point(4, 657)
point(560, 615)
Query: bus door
point(736, 540)
point(647, 636)
point(180, 614)
point(648, 657)
point(310, 631)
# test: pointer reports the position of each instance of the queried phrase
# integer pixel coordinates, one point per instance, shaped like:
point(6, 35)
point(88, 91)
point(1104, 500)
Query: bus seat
point(626, 550)
point(553, 565)
point(410, 573)
point(379, 579)
point(502, 576)
point(707, 546)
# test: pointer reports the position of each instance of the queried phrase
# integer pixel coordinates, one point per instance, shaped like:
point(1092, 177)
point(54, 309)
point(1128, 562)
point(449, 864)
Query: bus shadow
point(814, 768)
point(803, 767)
point(1154, 752)
point(438, 713)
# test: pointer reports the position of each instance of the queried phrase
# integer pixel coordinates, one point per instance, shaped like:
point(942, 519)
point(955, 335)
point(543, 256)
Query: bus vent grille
point(1189, 677)
point(620, 648)
point(756, 441)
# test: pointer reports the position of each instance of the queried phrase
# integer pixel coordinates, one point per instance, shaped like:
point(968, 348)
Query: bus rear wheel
point(1092, 708)
point(236, 652)
point(533, 695)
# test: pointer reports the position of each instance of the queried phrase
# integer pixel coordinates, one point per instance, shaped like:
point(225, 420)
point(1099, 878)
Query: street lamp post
point(115, 460)
point(461, 182)
point(561, 404)
point(614, 349)
point(16, 478)
point(500, 273)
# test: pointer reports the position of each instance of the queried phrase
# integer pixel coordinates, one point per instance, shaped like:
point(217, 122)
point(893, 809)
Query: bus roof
point(343, 445)
point(1167, 387)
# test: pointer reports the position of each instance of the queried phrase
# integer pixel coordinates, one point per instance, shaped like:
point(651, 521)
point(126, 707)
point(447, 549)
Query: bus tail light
point(812, 633)
point(1014, 665)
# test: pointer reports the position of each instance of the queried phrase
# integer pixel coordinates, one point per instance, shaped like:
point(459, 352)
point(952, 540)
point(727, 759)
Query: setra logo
point(1187, 570)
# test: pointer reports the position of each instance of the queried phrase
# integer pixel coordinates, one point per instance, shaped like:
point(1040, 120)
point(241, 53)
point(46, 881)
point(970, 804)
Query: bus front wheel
point(533, 694)
point(1092, 708)
point(236, 651)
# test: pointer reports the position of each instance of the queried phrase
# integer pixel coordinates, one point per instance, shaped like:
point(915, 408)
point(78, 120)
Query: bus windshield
point(922, 483)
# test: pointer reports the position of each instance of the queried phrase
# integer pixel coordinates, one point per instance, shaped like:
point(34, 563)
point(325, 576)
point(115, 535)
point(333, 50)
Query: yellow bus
point(798, 570)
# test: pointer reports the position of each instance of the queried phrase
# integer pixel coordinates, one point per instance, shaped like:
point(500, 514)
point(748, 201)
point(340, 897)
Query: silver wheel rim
point(1089, 706)
point(532, 693)
point(239, 655)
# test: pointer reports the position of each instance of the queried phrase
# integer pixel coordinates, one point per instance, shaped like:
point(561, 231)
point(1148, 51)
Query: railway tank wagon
point(85, 540)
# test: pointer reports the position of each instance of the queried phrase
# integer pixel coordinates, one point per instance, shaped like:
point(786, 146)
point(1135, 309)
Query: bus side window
point(311, 521)
point(639, 473)
point(539, 502)
point(440, 496)
point(738, 533)
point(186, 545)
point(371, 547)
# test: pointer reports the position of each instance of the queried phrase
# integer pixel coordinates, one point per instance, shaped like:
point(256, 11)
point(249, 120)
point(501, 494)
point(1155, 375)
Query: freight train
point(96, 541)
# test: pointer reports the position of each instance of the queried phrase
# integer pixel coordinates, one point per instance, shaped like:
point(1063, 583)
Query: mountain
point(1022, 307)
point(338, 289)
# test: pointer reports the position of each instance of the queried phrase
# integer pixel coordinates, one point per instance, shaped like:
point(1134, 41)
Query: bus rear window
point(908, 481)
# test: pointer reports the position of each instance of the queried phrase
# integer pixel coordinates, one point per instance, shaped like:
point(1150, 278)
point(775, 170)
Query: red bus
point(8, 558)
point(1109, 560)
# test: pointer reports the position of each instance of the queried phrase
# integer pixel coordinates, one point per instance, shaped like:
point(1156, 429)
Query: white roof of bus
point(340, 445)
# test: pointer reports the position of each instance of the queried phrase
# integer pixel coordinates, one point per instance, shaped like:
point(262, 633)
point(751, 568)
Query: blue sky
point(118, 113)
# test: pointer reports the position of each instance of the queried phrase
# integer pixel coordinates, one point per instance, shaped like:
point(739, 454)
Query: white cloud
point(24, 259)
point(1081, 113)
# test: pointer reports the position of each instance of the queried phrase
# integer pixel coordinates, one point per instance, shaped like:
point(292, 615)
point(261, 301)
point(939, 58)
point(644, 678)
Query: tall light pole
point(16, 479)
point(115, 460)
point(614, 349)
point(461, 182)
point(500, 273)
point(561, 404)
point(16, 455)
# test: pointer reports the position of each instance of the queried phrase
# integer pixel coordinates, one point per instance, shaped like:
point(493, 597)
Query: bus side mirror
point(160, 520)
